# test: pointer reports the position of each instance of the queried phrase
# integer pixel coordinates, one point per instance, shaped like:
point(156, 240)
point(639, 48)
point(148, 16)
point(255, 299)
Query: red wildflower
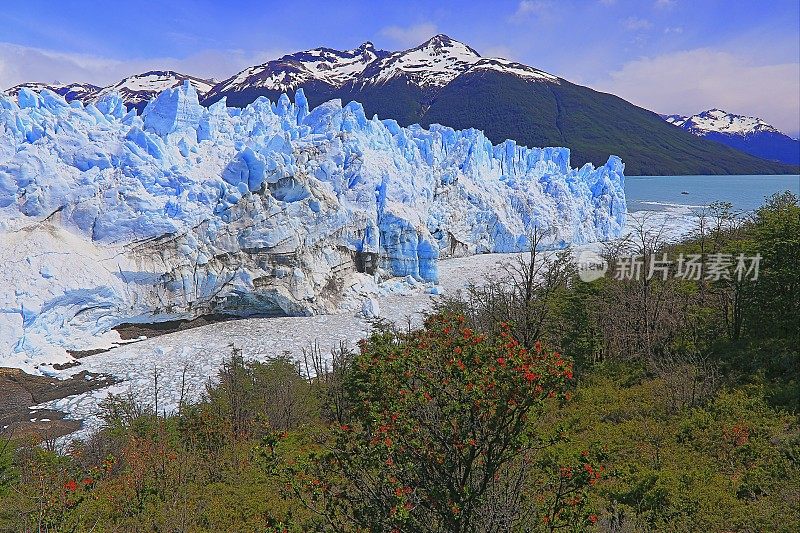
point(501, 361)
point(87, 481)
point(71, 485)
point(593, 518)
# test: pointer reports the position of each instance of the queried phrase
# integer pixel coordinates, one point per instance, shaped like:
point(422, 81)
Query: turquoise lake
point(657, 193)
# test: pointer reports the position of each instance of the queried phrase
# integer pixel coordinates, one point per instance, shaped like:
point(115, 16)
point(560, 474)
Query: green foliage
point(730, 465)
point(437, 416)
point(685, 421)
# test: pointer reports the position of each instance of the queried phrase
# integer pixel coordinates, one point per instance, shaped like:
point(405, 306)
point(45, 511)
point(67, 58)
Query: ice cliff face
point(109, 217)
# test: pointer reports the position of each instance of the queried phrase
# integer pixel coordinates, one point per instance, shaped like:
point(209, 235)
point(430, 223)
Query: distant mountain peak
point(70, 91)
point(434, 63)
point(751, 135)
point(137, 90)
point(720, 121)
point(442, 41)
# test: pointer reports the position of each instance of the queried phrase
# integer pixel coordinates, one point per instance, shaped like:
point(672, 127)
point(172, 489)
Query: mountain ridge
point(751, 135)
point(136, 90)
point(446, 81)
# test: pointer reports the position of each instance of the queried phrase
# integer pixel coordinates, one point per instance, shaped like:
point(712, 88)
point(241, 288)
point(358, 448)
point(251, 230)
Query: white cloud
point(19, 64)
point(694, 80)
point(539, 8)
point(666, 4)
point(410, 36)
point(636, 23)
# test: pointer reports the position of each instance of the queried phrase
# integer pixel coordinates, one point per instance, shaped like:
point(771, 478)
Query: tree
point(441, 430)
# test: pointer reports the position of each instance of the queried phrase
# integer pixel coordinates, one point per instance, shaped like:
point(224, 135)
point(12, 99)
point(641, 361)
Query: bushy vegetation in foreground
point(535, 403)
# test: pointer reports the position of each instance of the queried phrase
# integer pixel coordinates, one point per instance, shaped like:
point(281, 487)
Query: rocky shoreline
point(20, 391)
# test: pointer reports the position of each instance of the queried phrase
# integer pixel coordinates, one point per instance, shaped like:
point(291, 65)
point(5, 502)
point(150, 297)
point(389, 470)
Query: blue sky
point(677, 56)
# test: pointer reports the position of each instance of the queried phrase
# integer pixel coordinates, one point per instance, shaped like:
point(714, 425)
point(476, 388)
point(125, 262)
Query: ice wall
point(186, 210)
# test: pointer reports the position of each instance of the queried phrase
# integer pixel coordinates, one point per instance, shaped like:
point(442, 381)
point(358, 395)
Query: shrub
point(440, 434)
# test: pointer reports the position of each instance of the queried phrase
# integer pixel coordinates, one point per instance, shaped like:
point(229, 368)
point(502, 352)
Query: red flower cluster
point(738, 435)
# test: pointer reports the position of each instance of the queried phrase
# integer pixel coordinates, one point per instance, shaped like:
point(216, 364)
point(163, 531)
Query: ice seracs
point(270, 209)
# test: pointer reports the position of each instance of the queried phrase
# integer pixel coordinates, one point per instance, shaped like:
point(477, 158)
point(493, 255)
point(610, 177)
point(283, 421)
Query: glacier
point(110, 217)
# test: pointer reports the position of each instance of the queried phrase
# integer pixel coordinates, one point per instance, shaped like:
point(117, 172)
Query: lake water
point(658, 193)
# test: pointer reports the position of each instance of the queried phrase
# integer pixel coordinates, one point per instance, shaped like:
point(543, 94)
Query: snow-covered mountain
point(83, 92)
point(325, 65)
point(748, 134)
point(439, 61)
point(435, 63)
point(136, 91)
point(719, 121)
point(444, 81)
point(108, 216)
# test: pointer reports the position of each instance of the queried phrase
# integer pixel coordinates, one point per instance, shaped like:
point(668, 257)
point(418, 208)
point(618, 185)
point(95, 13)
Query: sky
point(670, 56)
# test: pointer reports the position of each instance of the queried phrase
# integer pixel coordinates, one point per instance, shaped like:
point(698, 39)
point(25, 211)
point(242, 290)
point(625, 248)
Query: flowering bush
point(439, 421)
